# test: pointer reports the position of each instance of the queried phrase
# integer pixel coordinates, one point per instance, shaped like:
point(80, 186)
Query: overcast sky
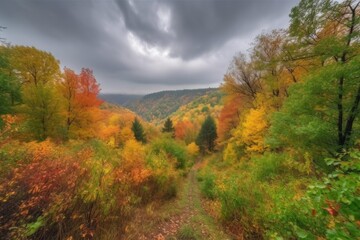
point(143, 46)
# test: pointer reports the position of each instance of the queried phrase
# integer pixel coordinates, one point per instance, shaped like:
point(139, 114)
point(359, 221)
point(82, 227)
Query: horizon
point(170, 90)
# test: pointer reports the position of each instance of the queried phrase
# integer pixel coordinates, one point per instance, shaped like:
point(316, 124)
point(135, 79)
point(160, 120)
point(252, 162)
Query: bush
point(240, 204)
point(207, 186)
point(172, 148)
point(268, 166)
point(334, 201)
point(73, 190)
point(193, 149)
point(164, 178)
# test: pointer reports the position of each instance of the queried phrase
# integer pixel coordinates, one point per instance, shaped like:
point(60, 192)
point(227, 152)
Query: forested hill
point(120, 99)
point(156, 106)
point(197, 110)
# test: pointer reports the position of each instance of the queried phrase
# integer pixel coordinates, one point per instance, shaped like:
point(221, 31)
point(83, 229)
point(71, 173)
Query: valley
point(271, 152)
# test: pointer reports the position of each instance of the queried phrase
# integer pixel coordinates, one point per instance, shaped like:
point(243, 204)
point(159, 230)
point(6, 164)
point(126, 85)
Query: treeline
point(290, 130)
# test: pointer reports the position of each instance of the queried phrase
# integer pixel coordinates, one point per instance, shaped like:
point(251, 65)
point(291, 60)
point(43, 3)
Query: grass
point(197, 224)
point(187, 232)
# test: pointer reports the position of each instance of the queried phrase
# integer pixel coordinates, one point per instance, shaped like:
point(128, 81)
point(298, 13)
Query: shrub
point(172, 148)
point(208, 185)
point(268, 166)
point(193, 149)
point(164, 178)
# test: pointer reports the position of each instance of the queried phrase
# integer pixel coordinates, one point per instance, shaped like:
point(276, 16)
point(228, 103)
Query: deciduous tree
point(38, 72)
point(9, 85)
point(81, 99)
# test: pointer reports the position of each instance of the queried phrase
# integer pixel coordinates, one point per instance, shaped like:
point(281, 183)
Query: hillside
point(157, 106)
point(197, 110)
point(114, 108)
point(121, 99)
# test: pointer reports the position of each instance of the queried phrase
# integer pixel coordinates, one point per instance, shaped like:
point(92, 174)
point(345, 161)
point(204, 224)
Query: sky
point(143, 46)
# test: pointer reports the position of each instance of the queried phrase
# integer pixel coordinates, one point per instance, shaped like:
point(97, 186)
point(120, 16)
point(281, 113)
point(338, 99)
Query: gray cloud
point(143, 46)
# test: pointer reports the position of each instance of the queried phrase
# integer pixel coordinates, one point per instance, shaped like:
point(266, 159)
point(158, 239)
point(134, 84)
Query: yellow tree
point(38, 72)
point(252, 130)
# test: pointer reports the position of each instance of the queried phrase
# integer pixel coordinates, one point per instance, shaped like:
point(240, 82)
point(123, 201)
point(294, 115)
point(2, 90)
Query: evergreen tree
point(168, 127)
point(138, 131)
point(207, 136)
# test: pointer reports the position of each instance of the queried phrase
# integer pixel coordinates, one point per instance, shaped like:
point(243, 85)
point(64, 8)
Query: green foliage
point(168, 127)
point(34, 227)
point(173, 148)
point(158, 106)
point(198, 109)
point(336, 198)
point(187, 232)
point(165, 179)
point(208, 184)
point(309, 16)
point(38, 71)
point(269, 166)
point(138, 131)
point(9, 85)
point(43, 111)
point(207, 136)
point(309, 117)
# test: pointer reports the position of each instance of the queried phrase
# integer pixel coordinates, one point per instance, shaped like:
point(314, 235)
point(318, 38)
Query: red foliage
point(88, 89)
point(183, 128)
point(333, 208)
point(229, 116)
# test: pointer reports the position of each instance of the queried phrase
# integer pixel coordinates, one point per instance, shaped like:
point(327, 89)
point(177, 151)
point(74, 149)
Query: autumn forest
point(273, 153)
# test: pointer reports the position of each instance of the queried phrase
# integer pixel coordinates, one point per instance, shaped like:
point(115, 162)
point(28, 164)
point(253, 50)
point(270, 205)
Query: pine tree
point(168, 127)
point(138, 131)
point(207, 136)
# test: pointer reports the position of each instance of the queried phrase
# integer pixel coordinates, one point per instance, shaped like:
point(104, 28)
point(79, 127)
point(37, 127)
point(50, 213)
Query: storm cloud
point(143, 46)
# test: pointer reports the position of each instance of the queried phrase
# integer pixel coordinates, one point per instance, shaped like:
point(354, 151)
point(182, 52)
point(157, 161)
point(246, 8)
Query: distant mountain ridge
point(120, 99)
point(157, 106)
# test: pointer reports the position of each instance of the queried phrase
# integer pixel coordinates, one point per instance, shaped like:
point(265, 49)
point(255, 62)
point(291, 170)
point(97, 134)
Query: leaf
point(34, 227)
point(301, 233)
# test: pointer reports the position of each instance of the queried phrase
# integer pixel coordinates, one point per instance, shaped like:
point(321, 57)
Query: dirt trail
point(185, 218)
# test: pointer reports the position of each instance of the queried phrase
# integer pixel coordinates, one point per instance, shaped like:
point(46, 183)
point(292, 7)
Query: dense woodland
point(155, 107)
point(276, 153)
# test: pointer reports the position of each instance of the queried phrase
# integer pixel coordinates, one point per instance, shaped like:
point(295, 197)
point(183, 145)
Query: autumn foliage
point(71, 167)
point(280, 140)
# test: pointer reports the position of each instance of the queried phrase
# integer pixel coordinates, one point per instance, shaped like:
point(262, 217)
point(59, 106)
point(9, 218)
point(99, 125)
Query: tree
point(138, 131)
point(207, 136)
point(81, 99)
point(68, 88)
point(242, 78)
point(253, 130)
point(184, 130)
point(38, 72)
point(329, 31)
point(168, 127)
point(9, 85)
point(229, 116)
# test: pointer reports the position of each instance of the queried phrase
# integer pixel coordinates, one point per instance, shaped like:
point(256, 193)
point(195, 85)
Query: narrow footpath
point(182, 219)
